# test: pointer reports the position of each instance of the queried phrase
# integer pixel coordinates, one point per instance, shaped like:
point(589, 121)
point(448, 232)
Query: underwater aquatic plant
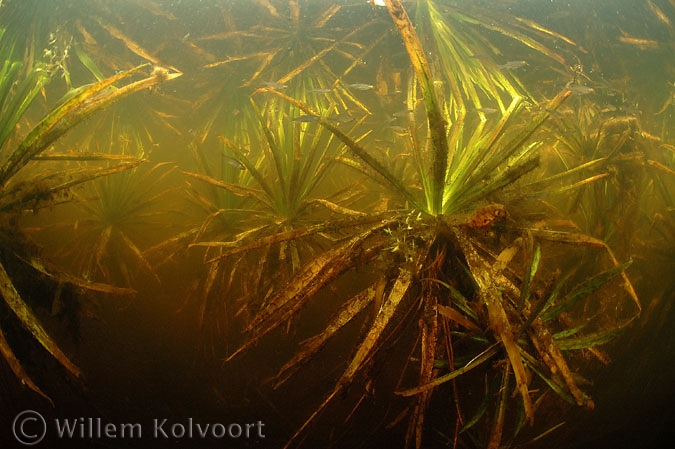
point(261, 195)
point(24, 187)
point(627, 167)
point(109, 216)
point(108, 212)
point(458, 258)
point(468, 56)
point(302, 47)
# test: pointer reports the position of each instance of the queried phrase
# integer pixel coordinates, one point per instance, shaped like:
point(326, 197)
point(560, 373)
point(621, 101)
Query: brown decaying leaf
point(367, 346)
point(31, 323)
point(16, 367)
point(499, 323)
point(307, 283)
point(350, 309)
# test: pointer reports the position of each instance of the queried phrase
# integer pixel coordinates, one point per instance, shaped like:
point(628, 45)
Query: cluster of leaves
point(458, 242)
point(486, 304)
point(24, 187)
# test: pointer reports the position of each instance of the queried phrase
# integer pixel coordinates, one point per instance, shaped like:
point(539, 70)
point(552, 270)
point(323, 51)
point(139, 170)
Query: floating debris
point(641, 43)
point(660, 14)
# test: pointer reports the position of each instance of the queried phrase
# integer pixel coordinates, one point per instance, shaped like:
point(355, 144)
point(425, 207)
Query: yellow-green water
point(160, 352)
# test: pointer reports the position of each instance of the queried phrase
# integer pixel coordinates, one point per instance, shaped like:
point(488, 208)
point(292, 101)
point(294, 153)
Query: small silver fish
point(360, 86)
point(580, 90)
point(273, 85)
point(400, 130)
point(306, 118)
point(512, 65)
point(487, 111)
point(233, 162)
point(401, 114)
point(321, 91)
point(343, 117)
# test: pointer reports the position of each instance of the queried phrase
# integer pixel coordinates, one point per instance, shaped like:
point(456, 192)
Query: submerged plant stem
point(437, 123)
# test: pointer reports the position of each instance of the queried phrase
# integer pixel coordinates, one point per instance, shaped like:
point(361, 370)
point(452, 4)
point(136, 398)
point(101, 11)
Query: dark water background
point(146, 356)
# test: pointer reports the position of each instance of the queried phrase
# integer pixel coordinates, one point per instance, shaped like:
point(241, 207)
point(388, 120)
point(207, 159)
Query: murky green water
point(283, 146)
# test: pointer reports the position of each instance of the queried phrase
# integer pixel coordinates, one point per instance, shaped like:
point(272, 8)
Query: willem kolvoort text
point(95, 428)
